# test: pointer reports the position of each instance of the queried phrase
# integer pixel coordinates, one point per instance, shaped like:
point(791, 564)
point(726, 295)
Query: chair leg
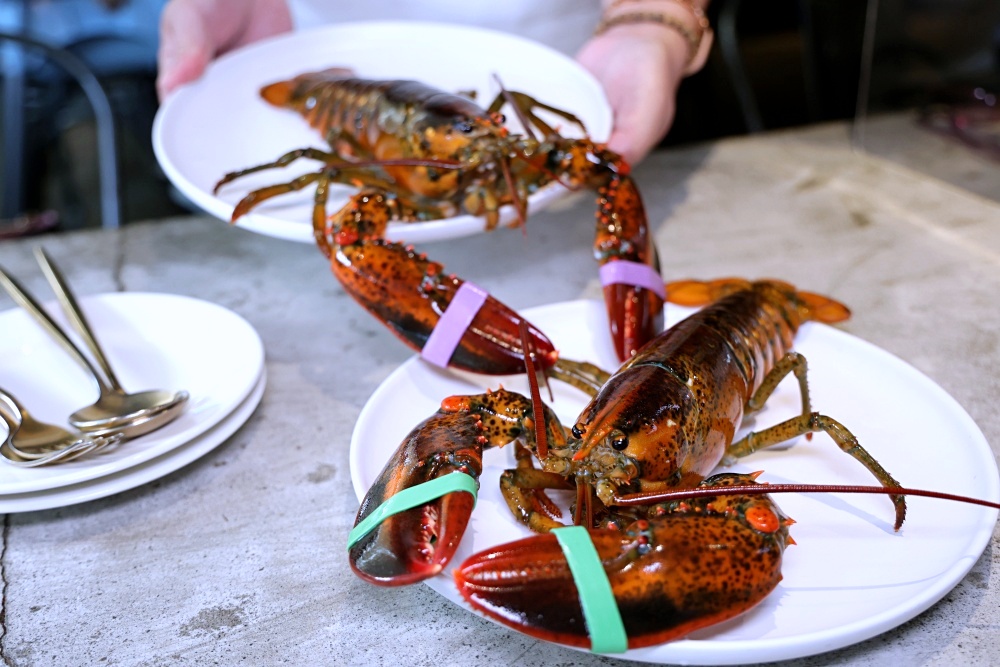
point(107, 151)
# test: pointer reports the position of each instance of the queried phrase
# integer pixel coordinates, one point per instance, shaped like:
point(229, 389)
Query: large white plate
point(140, 473)
point(219, 124)
point(153, 341)
point(849, 577)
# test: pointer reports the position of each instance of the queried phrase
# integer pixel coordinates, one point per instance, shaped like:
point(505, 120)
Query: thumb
point(185, 47)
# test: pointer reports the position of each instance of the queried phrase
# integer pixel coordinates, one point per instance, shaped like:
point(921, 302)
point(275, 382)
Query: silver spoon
point(31, 443)
point(115, 410)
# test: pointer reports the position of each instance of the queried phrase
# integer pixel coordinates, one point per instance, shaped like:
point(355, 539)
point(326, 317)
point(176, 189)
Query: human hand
point(194, 32)
point(640, 67)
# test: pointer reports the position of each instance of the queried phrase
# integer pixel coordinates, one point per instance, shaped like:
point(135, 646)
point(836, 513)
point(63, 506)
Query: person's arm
point(194, 32)
point(640, 52)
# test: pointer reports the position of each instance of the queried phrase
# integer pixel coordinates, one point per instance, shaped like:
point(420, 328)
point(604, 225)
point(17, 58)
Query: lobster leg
point(815, 423)
point(585, 376)
point(523, 489)
point(417, 543)
point(283, 161)
point(525, 105)
point(792, 362)
point(337, 170)
point(807, 423)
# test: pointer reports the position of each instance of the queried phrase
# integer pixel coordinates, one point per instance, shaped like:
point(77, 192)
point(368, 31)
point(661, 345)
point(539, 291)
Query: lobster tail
point(292, 93)
point(823, 308)
point(811, 306)
point(278, 94)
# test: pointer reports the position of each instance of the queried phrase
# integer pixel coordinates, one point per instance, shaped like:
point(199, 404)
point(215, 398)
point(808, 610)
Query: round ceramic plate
point(141, 473)
point(850, 577)
point(153, 341)
point(219, 123)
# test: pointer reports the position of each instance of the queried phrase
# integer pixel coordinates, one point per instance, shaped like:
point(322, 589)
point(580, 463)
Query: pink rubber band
point(454, 322)
point(625, 272)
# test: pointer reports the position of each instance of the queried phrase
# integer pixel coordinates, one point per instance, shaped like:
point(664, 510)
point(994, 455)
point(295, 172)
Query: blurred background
point(77, 88)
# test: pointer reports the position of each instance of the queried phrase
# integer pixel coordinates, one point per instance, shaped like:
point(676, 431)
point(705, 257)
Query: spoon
point(31, 443)
point(143, 411)
point(115, 410)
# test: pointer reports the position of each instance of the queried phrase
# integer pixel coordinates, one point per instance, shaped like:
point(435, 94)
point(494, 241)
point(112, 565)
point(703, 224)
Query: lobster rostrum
point(417, 153)
point(653, 432)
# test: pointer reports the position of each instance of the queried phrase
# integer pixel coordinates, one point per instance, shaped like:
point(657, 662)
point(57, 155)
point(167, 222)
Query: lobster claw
point(527, 585)
point(411, 294)
point(630, 271)
point(414, 544)
point(418, 541)
point(657, 570)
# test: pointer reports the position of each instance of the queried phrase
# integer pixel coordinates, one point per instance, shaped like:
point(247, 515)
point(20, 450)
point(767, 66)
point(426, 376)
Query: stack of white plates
point(153, 341)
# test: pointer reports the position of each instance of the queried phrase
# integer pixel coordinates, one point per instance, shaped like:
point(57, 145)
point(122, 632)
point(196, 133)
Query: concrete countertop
point(238, 557)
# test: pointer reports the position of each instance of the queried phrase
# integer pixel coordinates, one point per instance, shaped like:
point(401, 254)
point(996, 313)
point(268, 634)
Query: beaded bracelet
point(699, 41)
point(689, 5)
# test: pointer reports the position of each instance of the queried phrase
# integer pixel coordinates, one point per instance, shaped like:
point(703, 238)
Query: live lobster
point(661, 423)
point(418, 153)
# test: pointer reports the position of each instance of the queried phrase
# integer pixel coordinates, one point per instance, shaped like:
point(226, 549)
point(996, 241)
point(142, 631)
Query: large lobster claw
point(700, 563)
point(416, 543)
point(410, 294)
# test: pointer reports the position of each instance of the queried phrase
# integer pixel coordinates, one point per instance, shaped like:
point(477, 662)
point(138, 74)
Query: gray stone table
point(238, 558)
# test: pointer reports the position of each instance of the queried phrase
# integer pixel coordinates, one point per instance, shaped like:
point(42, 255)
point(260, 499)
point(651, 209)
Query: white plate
point(153, 341)
point(141, 473)
point(219, 124)
point(850, 577)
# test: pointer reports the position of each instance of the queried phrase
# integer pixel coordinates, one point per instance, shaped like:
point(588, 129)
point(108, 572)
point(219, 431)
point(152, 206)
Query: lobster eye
point(464, 126)
point(577, 431)
point(618, 440)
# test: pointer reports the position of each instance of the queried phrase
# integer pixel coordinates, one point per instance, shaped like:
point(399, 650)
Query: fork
point(31, 443)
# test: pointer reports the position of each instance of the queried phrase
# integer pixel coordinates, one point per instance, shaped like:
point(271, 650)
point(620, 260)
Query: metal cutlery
point(32, 443)
point(116, 411)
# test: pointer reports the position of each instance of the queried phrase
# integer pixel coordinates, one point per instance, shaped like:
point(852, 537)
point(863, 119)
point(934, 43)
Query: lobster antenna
point(518, 111)
point(520, 204)
point(527, 124)
point(765, 489)
point(538, 411)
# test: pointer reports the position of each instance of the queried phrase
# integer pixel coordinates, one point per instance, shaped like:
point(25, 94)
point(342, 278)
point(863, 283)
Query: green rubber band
point(604, 620)
point(412, 497)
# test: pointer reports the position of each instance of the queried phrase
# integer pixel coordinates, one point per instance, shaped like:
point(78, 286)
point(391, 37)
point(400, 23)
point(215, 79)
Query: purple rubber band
point(454, 321)
point(633, 273)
